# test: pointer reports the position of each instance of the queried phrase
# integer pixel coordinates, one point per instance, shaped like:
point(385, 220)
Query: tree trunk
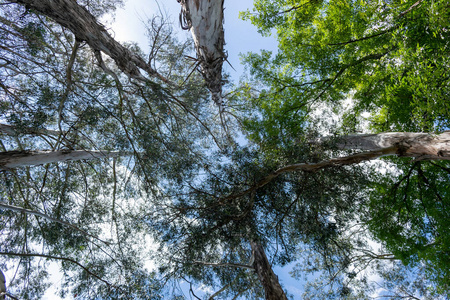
point(14, 159)
point(421, 146)
point(269, 280)
point(85, 27)
point(2, 286)
point(204, 18)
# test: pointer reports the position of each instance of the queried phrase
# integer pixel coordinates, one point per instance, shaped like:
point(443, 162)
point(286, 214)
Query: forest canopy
point(153, 174)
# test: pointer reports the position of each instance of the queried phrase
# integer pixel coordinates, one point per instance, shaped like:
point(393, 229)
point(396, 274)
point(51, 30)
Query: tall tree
point(64, 98)
point(205, 21)
point(368, 54)
point(223, 215)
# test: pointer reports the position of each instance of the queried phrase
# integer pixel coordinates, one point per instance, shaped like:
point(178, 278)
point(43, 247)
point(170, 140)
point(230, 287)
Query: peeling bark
point(14, 159)
point(204, 18)
point(85, 27)
point(269, 280)
point(421, 146)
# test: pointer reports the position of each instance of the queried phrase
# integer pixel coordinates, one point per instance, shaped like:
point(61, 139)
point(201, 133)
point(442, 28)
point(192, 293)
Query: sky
point(240, 36)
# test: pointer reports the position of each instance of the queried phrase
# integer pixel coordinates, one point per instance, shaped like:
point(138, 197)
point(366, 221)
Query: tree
point(63, 97)
point(371, 53)
point(222, 214)
point(373, 50)
point(209, 40)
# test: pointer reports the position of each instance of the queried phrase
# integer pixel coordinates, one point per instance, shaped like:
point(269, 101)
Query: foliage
point(185, 201)
point(57, 96)
point(386, 61)
point(375, 50)
point(410, 214)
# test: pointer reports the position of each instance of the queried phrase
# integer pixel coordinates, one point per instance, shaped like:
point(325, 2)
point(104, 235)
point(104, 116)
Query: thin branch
point(365, 37)
point(219, 291)
point(232, 265)
point(57, 258)
point(36, 213)
point(9, 295)
point(334, 162)
point(411, 8)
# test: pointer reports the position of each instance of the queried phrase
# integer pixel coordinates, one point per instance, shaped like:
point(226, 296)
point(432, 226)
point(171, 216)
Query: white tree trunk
point(204, 18)
point(2, 285)
point(14, 159)
point(421, 146)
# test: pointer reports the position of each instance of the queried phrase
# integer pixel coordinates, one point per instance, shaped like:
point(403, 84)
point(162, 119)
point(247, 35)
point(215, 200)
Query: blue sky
point(240, 36)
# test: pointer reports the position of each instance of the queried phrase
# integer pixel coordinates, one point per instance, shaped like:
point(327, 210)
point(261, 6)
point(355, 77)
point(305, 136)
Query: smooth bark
point(204, 18)
point(269, 280)
point(14, 159)
point(2, 285)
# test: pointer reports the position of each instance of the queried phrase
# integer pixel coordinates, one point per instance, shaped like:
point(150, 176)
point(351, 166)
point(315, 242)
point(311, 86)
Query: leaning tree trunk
point(85, 27)
point(204, 18)
point(269, 280)
point(14, 159)
point(421, 146)
point(14, 131)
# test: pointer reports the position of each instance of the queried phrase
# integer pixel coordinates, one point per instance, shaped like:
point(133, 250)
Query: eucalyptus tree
point(205, 21)
point(223, 214)
point(385, 61)
point(63, 97)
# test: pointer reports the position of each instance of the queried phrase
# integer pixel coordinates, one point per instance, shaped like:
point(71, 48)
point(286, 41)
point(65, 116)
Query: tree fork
point(205, 21)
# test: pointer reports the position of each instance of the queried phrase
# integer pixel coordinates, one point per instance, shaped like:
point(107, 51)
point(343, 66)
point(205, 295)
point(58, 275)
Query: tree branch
point(57, 258)
point(36, 213)
point(12, 130)
point(232, 265)
point(85, 27)
point(421, 146)
point(14, 159)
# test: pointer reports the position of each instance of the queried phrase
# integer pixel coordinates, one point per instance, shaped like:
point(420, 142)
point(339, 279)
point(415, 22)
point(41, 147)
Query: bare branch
point(14, 159)
point(12, 130)
point(421, 146)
